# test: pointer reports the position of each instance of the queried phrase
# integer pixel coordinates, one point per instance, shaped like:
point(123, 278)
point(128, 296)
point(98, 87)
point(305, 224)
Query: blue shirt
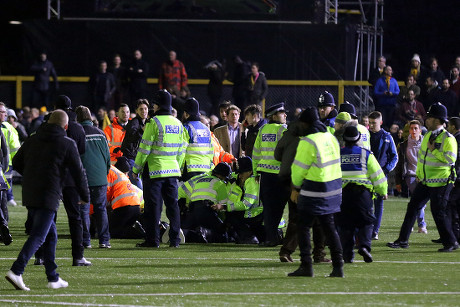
point(234, 135)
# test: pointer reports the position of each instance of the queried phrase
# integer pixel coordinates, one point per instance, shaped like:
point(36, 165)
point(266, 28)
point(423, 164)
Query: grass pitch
point(236, 275)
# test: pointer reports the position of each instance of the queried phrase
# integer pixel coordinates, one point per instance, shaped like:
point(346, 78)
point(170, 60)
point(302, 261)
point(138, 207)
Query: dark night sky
point(428, 28)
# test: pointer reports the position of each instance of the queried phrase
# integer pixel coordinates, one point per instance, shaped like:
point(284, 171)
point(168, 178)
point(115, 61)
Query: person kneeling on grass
point(203, 191)
point(123, 198)
point(243, 209)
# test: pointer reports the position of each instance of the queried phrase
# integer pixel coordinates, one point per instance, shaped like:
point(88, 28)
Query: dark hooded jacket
point(42, 161)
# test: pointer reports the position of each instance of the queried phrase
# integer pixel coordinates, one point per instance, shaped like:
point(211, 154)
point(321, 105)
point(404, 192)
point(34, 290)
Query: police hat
point(192, 107)
point(279, 107)
point(63, 102)
point(349, 108)
point(163, 100)
point(351, 134)
point(439, 111)
point(223, 169)
point(325, 100)
point(243, 164)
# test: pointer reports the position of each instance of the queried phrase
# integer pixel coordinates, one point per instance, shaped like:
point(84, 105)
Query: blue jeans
point(85, 221)
point(378, 212)
point(42, 233)
point(98, 198)
point(411, 184)
point(136, 181)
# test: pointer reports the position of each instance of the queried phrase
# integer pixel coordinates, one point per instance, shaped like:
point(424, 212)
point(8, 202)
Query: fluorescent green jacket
point(263, 159)
point(247, 200)
point(436, 168)
point(162, 147)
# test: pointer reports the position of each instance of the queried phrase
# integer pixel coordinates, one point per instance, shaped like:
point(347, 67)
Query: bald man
point(42, 161)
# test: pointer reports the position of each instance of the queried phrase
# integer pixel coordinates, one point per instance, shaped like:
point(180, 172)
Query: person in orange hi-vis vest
point(115, 133)
point(220, 155)
point(124, 199)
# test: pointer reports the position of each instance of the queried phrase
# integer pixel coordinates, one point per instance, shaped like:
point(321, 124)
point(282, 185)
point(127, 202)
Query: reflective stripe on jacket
point(249, 201)
point(199, 153)
point(120, 191)
point(115, 134)
point(263, 159)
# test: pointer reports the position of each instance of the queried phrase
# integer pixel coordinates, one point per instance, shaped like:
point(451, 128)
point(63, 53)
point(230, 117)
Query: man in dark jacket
point(257, 85)
point(384, 149)
point(254, 122)
point(42, 70)
point(137, 73)
point(70, 196)
point(96, 161)
point(133, 136)
point(102, 86)
point(285, 152)
point(43, 161)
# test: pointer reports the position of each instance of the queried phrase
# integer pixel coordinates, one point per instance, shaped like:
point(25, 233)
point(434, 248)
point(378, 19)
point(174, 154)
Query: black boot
point(337, 271)
point(305, 269)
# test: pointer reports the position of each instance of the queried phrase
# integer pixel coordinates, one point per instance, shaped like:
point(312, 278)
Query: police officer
point(199, 154)
point(205, 190)
point(365, 135)
point(361, 176)
point(243, 209)
point(327, 111)
point(316, 174)
point(274, 194)
point(162, 148)
point(436, 175)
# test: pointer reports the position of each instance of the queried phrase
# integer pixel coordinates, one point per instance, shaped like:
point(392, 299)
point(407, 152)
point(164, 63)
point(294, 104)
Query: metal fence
point(16, 91)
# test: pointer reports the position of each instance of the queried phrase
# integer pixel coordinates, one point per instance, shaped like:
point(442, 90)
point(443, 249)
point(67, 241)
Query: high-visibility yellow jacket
point(263, 159)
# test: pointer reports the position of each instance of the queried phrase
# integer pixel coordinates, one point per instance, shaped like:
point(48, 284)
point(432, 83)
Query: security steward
point(199, 153)
point(316, 175)
point(162, 148)
point(207, 190)
point(273, 193)
point(365, 135)
point(435, 175)
point(243, 209)
point(327, 111)
point(361, 177)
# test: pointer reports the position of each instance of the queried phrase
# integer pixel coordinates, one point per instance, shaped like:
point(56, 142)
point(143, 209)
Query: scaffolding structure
point(53, 9)
point(369, 42)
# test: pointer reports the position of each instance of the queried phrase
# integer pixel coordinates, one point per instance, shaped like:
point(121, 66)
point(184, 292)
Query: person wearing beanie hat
point(317, 190)
point(361, 176)
point(417, 70)
point(435, 165)
point(203, 192)
point(122, 164)
point(125, 201)
point(200, 152)
point(342, 121)
point(365, 136)
point(273, 193)
point(243, 209)
point(285, 152)
point(63, 102)
point(327, 111)
point(162, 152)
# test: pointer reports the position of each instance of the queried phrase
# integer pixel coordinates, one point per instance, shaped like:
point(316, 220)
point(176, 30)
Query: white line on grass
point(228, 293)
point(244, 259)
point(70, 304)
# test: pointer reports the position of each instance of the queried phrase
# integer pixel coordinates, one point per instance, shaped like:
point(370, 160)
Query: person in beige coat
point(229, 136)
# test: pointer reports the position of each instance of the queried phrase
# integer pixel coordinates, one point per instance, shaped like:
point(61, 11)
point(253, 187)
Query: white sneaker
point(422, 230)
point(60, 283)
point(165, 237)
point(11, 203)
point(16, 281)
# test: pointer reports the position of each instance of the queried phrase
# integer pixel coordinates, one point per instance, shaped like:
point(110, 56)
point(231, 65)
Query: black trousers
point(290, 241)
point(246, 228)
point(453, 210)
point(121, 221)
point(355, 213)
point(439, 197)
point(305, 222)
point(3, 208)
point(274, 194)
point(157, 191)
point(70, 200)
point(201, 215)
